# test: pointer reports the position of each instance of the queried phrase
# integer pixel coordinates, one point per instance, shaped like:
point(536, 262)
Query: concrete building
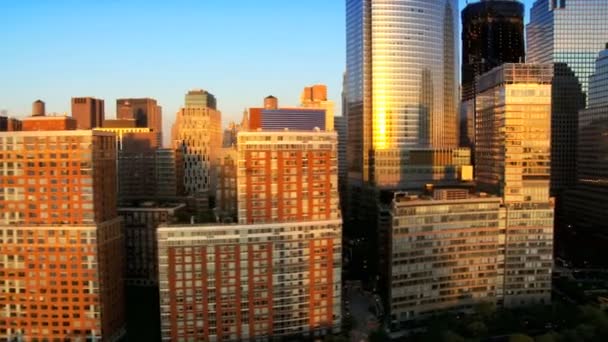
point(60, 235)
point(445, 254)
point(513, 160)
point(569, 34)
point(493, 34)
point(315, 96)
point(89, 112)
point(287, 176)
point(250, 282)
point(145, 111)
point(198, 132)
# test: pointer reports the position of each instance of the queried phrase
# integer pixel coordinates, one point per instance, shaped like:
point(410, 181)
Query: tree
point(477, 329)
point(520, 338)
point(548, 337)
point(450, 336)
point(378, 335)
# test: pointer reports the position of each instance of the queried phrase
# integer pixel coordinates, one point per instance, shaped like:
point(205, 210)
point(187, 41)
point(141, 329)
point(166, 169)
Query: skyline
point(240, 68)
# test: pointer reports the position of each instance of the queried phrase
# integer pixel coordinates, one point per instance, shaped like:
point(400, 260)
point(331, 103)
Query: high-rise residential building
point(277, 273)
point(250, 282)
point(60, 235)
point(287, 176)
point(273, 117)
point(402, 84)
point(587, 204)
point(492, 34)
point(89, 112)
point(315, 96)
point(145, 111)
point(197, 131)
point(570, 34)
point(444, 253)
point(513, 160)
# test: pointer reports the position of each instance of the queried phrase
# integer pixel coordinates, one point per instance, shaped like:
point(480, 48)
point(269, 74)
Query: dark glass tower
point(569, 34)
point(492, 34)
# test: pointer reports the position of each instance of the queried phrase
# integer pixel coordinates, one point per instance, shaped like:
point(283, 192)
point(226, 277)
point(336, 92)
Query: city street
point(358, 304)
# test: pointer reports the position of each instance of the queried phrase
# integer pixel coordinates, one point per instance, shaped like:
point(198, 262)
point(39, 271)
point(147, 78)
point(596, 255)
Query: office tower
point(225, 194)
point(169, 173)
point(240, 282)
point(315, 96)
point(60, 235)
point(145, 111)
point(89, 112)
point(402, 84)
point(341, 126)
point(445, 253)
point(197, 131)
point(513, 160)
point(492, 34)
point(570, 34)
point(287, 176)
point(141, 219)
point(587, 203)
point(136, 148)
point(200, 98)
point(229, 137)
point(273, 117)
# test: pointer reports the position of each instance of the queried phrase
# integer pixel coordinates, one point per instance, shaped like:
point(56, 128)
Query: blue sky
point(240, 50)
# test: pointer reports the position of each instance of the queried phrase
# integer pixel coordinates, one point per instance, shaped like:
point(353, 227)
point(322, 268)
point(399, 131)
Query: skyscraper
point(402, 83)
point(570, 34)
point(146, 113)
point(492, 34)
point(61, 244)
point(89, 112)
point(513, 160)
point(315, 96)
point(587, 204)
point(197, 131)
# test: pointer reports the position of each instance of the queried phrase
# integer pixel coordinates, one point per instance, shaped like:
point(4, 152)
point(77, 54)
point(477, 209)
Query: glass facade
point(492, 34)
point(587, 205)
point(570, 34)
point(402, 83)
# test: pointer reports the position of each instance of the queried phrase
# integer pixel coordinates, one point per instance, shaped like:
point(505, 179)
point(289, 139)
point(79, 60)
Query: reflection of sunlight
point(379, 119)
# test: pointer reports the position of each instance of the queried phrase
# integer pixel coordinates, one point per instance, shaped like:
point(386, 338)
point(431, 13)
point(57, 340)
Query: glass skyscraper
point(569, 33)
point(402, 86)
point(492, 34)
